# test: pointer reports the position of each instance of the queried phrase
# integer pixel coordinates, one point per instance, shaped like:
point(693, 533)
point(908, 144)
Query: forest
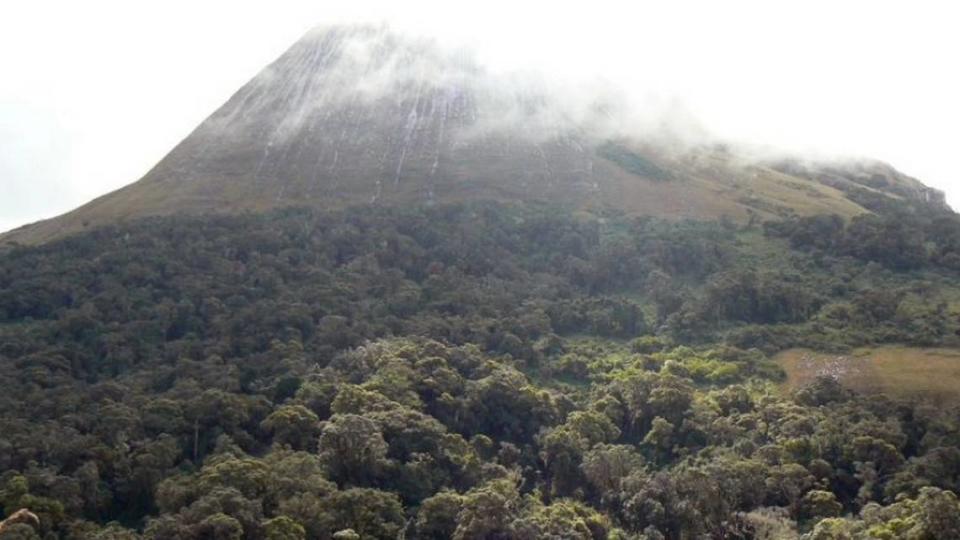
point(473, 371)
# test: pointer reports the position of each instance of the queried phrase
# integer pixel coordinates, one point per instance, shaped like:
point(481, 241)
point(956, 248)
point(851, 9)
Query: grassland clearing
point(897, 371)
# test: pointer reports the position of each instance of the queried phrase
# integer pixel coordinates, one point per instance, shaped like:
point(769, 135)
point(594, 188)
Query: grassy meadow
point(898, 371)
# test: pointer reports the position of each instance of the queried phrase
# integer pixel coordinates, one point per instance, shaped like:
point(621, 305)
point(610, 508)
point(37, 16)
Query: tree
point(607, 464)
point(283, 528)
point(563, 519)
point(352, 449)
point(295, 425)
point(488, 511)
point(247, 475)
point(661, 438)
point(369, 512)
point(438, 515)
point(22, 520)
point(818, 503)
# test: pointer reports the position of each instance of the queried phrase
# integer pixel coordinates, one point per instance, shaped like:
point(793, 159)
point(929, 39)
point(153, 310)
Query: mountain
point(383, 293)
point(365, 116)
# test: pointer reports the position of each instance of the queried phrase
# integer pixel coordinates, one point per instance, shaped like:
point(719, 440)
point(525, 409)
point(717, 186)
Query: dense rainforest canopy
point(472, 371)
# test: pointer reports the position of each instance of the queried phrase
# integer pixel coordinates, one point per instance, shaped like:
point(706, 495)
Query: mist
point(338, 66)
point(98, 94)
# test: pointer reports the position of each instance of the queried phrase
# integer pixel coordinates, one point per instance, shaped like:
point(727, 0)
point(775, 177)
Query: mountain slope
point(429, 363)
point(266, 376)
point(363, 116)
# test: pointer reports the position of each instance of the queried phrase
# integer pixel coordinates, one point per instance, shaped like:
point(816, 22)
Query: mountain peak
point(363, 115)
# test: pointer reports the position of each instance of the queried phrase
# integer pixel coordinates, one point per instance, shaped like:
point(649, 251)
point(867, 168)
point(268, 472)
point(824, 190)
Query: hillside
point(433, 307)
point(473, 371)
point(363, 116)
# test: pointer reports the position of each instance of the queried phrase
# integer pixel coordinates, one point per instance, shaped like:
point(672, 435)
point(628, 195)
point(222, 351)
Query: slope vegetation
point(471, 371)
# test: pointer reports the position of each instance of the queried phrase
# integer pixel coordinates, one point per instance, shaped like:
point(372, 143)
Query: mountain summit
point(366, 116)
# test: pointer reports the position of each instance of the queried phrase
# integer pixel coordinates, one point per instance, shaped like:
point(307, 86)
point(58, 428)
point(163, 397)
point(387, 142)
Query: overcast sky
point(93, 93)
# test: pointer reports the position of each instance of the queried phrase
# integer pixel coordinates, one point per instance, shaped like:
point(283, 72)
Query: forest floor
point(906, 372)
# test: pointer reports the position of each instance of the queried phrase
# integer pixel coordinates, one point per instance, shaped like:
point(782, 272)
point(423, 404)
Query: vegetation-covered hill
point(383, 293)
point(481, 370)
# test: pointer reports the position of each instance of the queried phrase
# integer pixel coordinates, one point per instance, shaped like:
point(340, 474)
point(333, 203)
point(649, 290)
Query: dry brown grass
point(903, 372)
point(703, 185)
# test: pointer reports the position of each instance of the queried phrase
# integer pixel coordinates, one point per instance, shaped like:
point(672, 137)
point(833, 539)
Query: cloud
point(335, 68)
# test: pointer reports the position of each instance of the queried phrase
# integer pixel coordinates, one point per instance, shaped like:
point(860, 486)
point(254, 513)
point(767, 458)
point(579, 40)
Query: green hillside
point(479, 370)
point(382, 293)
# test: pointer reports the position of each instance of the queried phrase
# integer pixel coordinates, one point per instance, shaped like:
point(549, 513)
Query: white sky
point(93, 93)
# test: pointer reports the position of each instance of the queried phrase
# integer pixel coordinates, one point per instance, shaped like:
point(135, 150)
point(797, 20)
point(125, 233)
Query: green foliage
point(474, 371)
point(634, 162)
point(438, 514)
point(933, 514)
point(283, 528)
point(295, 425)
point(819, 503)
point(369, 512)
point(898, 238)
point(352, 448)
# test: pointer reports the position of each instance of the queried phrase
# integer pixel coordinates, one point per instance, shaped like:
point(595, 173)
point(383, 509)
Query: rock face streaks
point(361, 114)
point(364, 116)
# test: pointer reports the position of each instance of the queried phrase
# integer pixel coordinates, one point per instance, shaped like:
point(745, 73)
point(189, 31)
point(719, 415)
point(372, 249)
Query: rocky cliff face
point(364, 116)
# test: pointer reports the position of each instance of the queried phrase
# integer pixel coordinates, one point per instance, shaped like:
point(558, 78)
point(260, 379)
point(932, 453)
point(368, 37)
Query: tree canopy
point(470, 371)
